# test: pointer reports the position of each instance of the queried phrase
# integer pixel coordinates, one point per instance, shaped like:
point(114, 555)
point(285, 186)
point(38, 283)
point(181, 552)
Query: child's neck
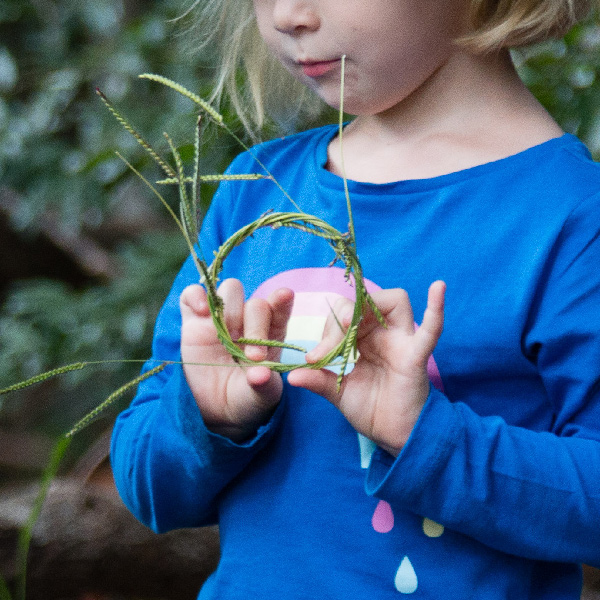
point(472, 111)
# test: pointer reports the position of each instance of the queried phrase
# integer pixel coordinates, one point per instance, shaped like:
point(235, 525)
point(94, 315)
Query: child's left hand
point(384, 394)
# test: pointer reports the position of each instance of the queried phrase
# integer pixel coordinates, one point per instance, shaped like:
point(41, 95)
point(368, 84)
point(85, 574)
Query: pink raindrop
point(383, 517)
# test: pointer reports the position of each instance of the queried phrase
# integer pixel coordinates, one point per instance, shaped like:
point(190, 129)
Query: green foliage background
point(58, 169)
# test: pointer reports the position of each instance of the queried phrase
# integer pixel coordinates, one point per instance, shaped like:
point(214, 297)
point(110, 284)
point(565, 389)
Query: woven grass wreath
point(343, 245)
point(344, 249)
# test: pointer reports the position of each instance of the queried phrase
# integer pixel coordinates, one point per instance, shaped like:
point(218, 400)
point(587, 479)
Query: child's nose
point(295, 16)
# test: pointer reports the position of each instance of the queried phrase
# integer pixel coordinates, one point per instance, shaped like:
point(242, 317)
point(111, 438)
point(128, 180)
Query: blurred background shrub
point(88, 254)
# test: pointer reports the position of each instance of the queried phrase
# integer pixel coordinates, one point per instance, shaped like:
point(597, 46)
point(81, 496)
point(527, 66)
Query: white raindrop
point(367, 447)
point(406, 579)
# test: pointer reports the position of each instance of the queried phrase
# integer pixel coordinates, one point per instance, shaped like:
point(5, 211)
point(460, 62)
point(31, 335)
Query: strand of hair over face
point(228, 28)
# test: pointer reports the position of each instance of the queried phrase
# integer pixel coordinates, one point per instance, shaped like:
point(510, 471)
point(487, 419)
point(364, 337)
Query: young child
point(468, 472)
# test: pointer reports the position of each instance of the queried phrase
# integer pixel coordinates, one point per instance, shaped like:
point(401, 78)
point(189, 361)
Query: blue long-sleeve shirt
point(497, 492)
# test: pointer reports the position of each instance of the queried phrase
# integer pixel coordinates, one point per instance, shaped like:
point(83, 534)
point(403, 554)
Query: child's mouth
point(318, 68)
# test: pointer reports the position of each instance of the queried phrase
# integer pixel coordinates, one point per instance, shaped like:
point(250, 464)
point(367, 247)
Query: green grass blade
point(214, 178)
point(42, 377)
point(186, 205)
point(218, 118)
point(341, 137)
point(142, 142)
point(206, 107)
point(270, 344)
point(196, 175)
point(4, 591)
point(197, 262)
point(25, 535)
point(91, 416)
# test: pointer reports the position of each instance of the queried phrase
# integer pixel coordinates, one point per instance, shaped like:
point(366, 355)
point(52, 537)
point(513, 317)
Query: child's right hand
point(234, 401)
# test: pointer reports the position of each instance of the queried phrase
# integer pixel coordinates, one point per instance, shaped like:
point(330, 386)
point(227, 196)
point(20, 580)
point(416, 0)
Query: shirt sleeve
point(528, 493)
point(168, 468)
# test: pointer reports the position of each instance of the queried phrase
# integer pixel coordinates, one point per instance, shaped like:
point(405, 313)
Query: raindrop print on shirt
point(406, 580)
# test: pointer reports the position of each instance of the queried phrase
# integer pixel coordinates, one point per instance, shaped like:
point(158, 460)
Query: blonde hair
point(229, 27)
point(497, 24)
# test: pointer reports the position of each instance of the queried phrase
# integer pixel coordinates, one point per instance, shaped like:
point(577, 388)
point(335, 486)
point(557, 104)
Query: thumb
point(265, 383)
point(193, 301)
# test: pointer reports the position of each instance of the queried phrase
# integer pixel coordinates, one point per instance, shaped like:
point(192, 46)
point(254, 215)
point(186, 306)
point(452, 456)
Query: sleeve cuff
point(212, 447)
point(400, 480)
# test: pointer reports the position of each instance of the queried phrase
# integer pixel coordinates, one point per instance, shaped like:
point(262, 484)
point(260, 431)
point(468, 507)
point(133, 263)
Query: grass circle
point(344, 249)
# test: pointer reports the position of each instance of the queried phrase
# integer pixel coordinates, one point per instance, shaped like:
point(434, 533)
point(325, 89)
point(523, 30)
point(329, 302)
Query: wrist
point(401, 429)
point(241, 432)
point(244, 433)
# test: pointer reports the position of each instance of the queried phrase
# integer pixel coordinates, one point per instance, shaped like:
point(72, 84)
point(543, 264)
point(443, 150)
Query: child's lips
point(318, 68)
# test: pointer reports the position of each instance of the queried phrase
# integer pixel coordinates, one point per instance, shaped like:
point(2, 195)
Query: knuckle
point(257, 306)
point(341, 303)
point(402, 295)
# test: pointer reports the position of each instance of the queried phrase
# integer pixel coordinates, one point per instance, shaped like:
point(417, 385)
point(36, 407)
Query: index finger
point(281, 302)
point(395, 308)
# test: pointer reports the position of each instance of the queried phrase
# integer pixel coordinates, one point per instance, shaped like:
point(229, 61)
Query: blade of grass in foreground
point(4, 591)
point(26, 532)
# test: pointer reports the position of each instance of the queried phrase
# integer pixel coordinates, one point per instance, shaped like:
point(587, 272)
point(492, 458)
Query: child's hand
point(383, 395)
point(233, 401)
